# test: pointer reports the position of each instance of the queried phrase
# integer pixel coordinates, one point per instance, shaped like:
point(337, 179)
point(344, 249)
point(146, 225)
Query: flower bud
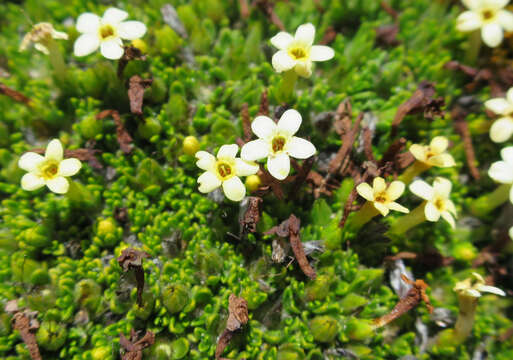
point(175, 297)
point(190, 145)
point(253, 182)
point(324, 328)
point(51, 335)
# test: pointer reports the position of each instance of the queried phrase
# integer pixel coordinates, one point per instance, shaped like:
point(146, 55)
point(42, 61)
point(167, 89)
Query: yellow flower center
point(278, 143)
point(439, 204)
point(488, 14)
point(49, 169)
point(298, 53)
point(106, 31)
point(381, 197)
point(224, 170)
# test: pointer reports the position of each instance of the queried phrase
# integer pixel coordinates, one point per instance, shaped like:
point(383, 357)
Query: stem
point(408, 221)
point(363, 216)
point(413, 171)
point(486, 203)
point(474, 45)
point(57, 61)
point(288, 83)
point(465, 322)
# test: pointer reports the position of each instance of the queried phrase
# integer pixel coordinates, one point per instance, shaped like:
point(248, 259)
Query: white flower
point(106, 33)
point(489, 16)
point(502, 128)
point(437, 199)
point(277, 142)
point(225, 171)
point(40, 35)
point(433, 154)
point(296, 52)
point(50, 170)
point(382, 196)
point(502, 171)
point(474, 289)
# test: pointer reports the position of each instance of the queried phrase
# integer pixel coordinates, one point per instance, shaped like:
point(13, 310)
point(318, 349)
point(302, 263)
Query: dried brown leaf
point(136, 86)
point(26, 324)
point(264, 104)
point(123, 137)
point(251, 216)
point(246, 122)
point(237, 318)
point(133, 348)
point(386, 35)
point(131, 259)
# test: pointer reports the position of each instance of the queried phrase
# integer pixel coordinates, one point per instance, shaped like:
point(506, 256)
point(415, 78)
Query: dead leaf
point(132, 347)
point(123, 137)
point(246, 123)
point(251, 215)
point(136, 86)
point(131, 259)
point(264, 104)
point(386, 35)
point(237, 317)
point(25, 321)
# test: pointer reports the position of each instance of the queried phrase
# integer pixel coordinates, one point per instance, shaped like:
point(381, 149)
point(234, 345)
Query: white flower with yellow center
point(382, 196)
point(41, 35)
point(502, 171)
point(106, 33)
point(277, 142)
point(297, 52)
point(224, 171)
point(433, 154)
point(474, 287)
point(50, 170)
point(502, 128)
point(489, 16)
point(437, 199)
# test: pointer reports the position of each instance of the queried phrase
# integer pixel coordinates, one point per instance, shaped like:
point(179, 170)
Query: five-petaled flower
point(297, 52)
point(471, 288)
point(41, 35)
point(382, 196)
point(489, 16)
point(502, 128)
point(437, 199)
point(502, 171)
point(277, 142)
point(106, 33)
point(433, 154)
point(50, 170)
point(224, 171)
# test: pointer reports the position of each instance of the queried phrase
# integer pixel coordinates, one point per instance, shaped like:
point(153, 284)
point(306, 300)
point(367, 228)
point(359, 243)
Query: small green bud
point(357, 329)
point(161, 350)
point(290, 352)
point(106, 227)
point(101, 353)
point(464, 252)
point(146, 310)
point(90, 127)
point(319, 288)
point(324, 328)
point(51, 335)
point(140, 44)
point(190, 145)
point(88, 295)
point(175, 297)
point(149, 128)
point(179, 348)
point(108, 233)
point(253, 182)
point(351, 302)
point(37, 236)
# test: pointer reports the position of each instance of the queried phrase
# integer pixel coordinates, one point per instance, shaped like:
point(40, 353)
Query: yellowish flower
point(40, 35)
point(382, 196)
point(433, 154)
point(474, 287)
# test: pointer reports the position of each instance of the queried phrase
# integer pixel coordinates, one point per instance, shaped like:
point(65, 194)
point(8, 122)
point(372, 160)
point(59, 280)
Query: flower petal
point(208, 182)
point(279, 166)
point(114, 15)
point(418, 152)
point(431, 212)
point(88, 23)
point(422, 189)
point(228, 151)
point(31, 182)
point(501, 172)
point(382, 208)
point(379, 185)
point(303, 68)
point(290, 122)
point(439, 144)
point(509, 95)
point(282, 40)
point(58, 185)
point(206, 161)
point(244, 168)
point(471, 4)
point(300, 148)
point(69, 167)
point(54, 150)
point(397, 207)
point(507, 155)
point(365, 191)
point(442, 187)
point(448, 217)
point(449, 205)
point(282, 61)
point(468, 21)
point(254, 150)
point(490, 289)
point(495, 4)
point(492, 34)
point(305, 34)
point(501, 129)
point(442, 160)
point(86, 44)
point(42, 48)
point(30, 161)
point(395, 189)
point(505, 18)
point(263, 127)
point(112, 49)
point(499, 106)
point(321, 53)
point(131, 30)
point(234, 189)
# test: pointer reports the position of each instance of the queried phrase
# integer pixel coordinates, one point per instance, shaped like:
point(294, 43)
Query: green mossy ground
point(58, 252)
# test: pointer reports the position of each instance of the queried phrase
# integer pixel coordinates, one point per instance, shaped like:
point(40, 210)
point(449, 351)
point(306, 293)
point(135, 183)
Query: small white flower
point(474, 288)
point(502, 128)
point(297, 52)
point(40, 35)
point(489, 16)
point(382, 196)
point(433, 154)
point(277, 142)
point(50, 170)
point(224, 171)
point(106, 33)
point(437, 199)
point(502, 171)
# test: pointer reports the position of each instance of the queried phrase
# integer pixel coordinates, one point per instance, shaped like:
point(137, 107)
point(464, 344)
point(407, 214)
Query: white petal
point(69, 167)
point(86, 44)
point(365, 191)
point(501, 129)
point(59, 35)
point(490, 289)
point(131, 30)
point(290, 122)
point(263, 127)
point(228, 151)
point(492, 34)
point(505, 18)
point(449, 205)
point(507, 155)
point(509, 95)
point(382, 208)
point(442, 187)
point(244, 168)
point(208, 182)
point(305, 34)
point(300, 148)
point(88, 23)
point(31, 182)
point(114, 16)
point(58, 185)
point(303, 68)
point(495, 4)
point(418, 152)
point(468, 21)
point(510, 232)
point(471, 4)
point(439, 144)
point(30, 161)
point(206, 161)
point(395, 189)
point(431, 212)
point(422, 189)
point(501, 172)
point(379, 185)
point(448, 217)
point(112, 49)
point(282, 40)
point(442, 160)
point(473, 293)
point(54, 150)
point(321, 53)
point(255, 150)
point(234, 189)
point(42, 48)
point(282, 61)
point(398, 207)
point(499, 106)
point(279, 166)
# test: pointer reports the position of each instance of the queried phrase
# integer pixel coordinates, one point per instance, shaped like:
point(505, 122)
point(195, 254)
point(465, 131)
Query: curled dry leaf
point(136, 86)
point(26, 323)
point(246, 122)
point(237, 317)
point(123, 137)
point(131, 259)
point(15, 95)
point(251, 215)
point(132, 347)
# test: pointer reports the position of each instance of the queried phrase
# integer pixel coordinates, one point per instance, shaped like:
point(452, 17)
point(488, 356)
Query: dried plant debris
point(123, 137)
point(131, 53)
point(264, 104)
point(267, 7)
point(459, 114)
point(237, 318)
point(250, 215)
point(15, 95)
point(26, 323)
point(132, 347)
point(386, 35)
point(246, 122)
point(430, 258)
point(131, 259)
point(136, 86)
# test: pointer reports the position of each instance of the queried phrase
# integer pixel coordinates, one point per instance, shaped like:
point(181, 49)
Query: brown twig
point(133, 347)
point(246, 122)
point(461, 126)
point(267, 7)
point(237, 317)
point(136, 86)
point(123, 137)
point(264, 104)
point(390, 10)
point(131, 259)
point(15, 95)
point(244, 9)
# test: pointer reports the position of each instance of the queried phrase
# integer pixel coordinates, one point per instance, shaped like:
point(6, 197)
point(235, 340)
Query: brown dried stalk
point(133, 347)
point(131, 259)
point(251, 216)
point(267, 7)
point(15, 95)
point(136, 86)
point(26, 323)
point(264, 104)
point(123, 137)
point(461, 126)
point(237, 317)
point(246, 122)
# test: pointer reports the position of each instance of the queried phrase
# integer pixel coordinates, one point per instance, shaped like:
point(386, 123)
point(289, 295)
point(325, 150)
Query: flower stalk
point(413, 171)
point(287, 85)
point(485, 204)
point(408, 221)
point(363, 216)
point(474, 46)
